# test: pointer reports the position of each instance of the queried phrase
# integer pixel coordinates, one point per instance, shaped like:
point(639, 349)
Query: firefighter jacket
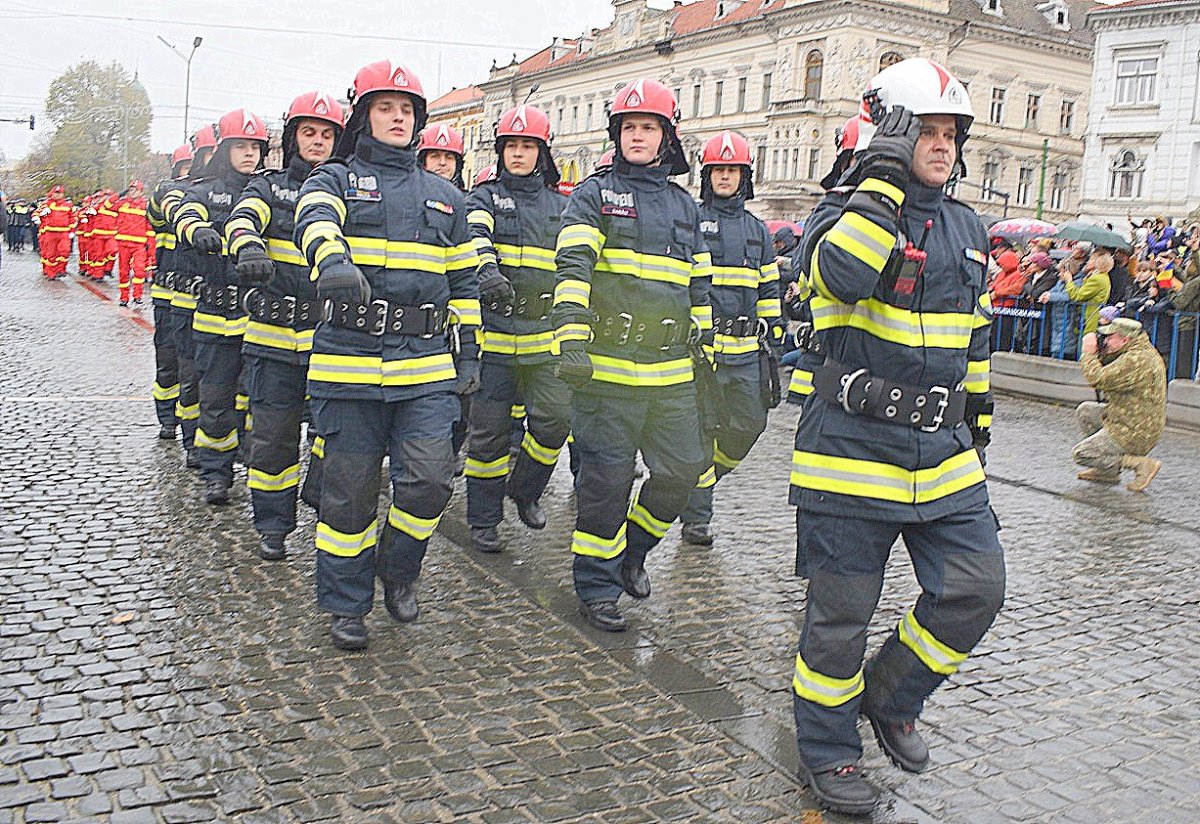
point(406, 230)
point(633, 270)
point(745, 278)
point(514, 222)
point(57, 215)
point(104, 226)
point(164, 239)
point(208, 203)
point(855, 464)
point(169, 204)
point(133, 225)
point(265, 216)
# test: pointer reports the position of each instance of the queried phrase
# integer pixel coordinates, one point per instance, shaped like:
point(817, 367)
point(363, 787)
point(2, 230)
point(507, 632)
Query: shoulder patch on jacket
point(975, 255)
point(444, 208)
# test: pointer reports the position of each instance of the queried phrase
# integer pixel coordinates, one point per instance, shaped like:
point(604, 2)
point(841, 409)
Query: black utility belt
point(283, 311)
point(742, 326)
point(858, 392)
point(806, 338)
point(222, 298)
point(165, 279)
point(625, 329)
point(382, 317)
point(523, 306)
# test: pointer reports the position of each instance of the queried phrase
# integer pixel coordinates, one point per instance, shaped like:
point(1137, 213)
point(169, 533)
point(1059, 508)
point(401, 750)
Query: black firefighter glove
point(574, 367)
point(494, 288)
point(206, 240)
point(468, 376)
point(888, 157)
point(343, 282)
point(253, 265)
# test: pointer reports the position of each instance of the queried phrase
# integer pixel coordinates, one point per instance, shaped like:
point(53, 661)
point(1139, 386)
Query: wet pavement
point(153, 669)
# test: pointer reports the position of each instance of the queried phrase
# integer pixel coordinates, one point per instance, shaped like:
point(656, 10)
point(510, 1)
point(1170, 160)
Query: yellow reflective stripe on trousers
point(978, 378)
point(412, 525)
point(241, 402)
point(187, 413)
point(886, 482)
point(279, 482)
point(345, 544)
point(542, 454)
point(723, 460)
point(735, 276)
point(165, 393)
point(822, 689)
point(942, 330)
point(486, 469)
point(584, 543)
point(863, 239)
point(218, 325)
point(801, 383)
point(284, 251)
point(278, 337)
point(644, 518)
point(631, 373)
point(932, 652)
point(374, 371)
point(225, 444)
point(529, 257)
point(644, 266)
point(579, 234)
point(517, 411)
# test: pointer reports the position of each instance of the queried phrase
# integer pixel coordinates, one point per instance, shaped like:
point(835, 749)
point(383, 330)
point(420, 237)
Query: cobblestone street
point(152, 668)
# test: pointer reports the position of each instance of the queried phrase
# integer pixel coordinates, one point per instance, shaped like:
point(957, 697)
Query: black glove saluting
point(253, 265)
point(889, 154)
point(206, 240)
point(343, 282)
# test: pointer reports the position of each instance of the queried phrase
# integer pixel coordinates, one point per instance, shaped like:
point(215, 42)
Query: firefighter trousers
point(741, 419)
point(609, 430)
point(166, 366)
point(187, 407)
point(222, 412)
point(960, 567)
point(547, 402)
point(416, 436)
point(55, 248)
point(131, 262)
point(276, 389)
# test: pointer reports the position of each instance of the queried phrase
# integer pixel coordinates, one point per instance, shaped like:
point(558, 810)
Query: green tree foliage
point(102, 127)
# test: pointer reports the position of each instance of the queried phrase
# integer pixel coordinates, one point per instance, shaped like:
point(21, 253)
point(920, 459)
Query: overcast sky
point(286, 47)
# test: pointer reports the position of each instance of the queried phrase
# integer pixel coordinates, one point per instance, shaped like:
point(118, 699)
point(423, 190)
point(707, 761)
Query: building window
point(696, 100)
point(992, 7)
point(1126, 180)
point(1058, 191)
point(889, 58)
point(1136, 81)
point(775, 164)
point(678, 92)
point(991, 171)
point(766, 94)
point(718, 94)
point(1033, 104)
point(588, 116)
point(760, 164)
point(795, 163)
point(996, 115)
point(558, 121)
point(741, 94)
point(1066, 117)
point(814, 65)
point(814, 163)
point(1024, 185)
point(574, 119)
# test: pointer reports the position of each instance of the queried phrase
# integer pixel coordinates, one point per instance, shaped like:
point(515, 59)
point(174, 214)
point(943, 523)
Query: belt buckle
point(290, 317)
point(546, 302)
point(247, 299)
point(381, 306)
point(668, 326)
point(233, 300)
point(455, 329)
point(430, 311)
point(943, 401)
point(628, 326)
point(847, 383)
point(742, 321)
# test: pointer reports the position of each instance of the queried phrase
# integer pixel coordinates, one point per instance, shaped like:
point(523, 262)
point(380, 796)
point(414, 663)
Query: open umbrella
point(1096, 235)
point(1021, 229)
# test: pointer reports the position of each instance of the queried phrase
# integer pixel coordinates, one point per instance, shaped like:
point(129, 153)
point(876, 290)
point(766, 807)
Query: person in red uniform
point(104, 233)
point(135, 241)
point(57, 220)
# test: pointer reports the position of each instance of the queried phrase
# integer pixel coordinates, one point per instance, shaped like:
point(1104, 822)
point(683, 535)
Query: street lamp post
point(187, 88)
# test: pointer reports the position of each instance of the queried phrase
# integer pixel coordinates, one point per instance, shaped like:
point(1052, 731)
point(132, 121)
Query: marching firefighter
point(56, 221)
point(183, 302)
point(284, 309)
point(631, 302)
point(514, 221)
point(104, 234)
point(219, 320)
point(135, 242)
point(746, 321)
point(890, 444)
point(84, 216)
point(166, 356)
point(389, 249)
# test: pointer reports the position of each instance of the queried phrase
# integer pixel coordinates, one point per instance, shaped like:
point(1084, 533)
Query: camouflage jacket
point(1134, 384)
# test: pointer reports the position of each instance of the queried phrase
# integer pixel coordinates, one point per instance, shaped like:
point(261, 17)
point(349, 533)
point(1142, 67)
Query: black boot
point(698, 534)
point(530, 513)
point(122, 303)
point(842, 789)
point(603, 615)
point(634, 578)
point(272, 547)
point(902, 743)
point(216, 493)
point(348, 632)
point(486, 539)
point(166, 432)
point(401, 602)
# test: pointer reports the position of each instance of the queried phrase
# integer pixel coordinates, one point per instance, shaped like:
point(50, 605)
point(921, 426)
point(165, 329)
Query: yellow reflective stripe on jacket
point(579, 234)
point(278, 337)
point(768, 273)
point(413, 525)
point(504, 343)
point(218, 325)
point(631, 373)
point(584, 543)
point(735, 277)
point(568, 332)
point(482, 217)
point(278, 482)
point(164, 240)
point(933, 653)
point(703, 317)
point(723, 460)
point(346, 544)
point(801, 383)
point(462, 256)
point(183, 300)
point(160, 292)
point(978, 380)
point(874, 184)
point(544, 455)
point(529, 257)
point(573, 291)
point(483, 248)
point(465, 311)
point(314, 198)
point(886, 482)
point(261, 209)
point(863, 239)
point(822, 689)
point(645, 266)
point(768, 308)
point(983, 311)
point(323, 230)
point(284, 251)
point(983, 421)
point(943, 330)
point(133, 238)
point(371, 370)
point(474, 468)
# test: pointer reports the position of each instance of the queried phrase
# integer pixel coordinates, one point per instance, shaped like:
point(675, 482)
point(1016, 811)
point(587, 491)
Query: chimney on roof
point(726, 7)
point(586, 41)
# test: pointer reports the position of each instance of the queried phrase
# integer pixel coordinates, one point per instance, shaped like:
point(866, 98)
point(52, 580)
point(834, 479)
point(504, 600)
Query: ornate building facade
point(787, 73)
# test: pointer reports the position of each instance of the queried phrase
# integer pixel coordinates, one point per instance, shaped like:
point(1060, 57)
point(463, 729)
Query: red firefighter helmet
point(241, 124)
point(524, 121)
point(316, 106)
point(606, 161)
point(847, 136)
point(57, 191)
point(386, 76)
point(726, 149)
point(180, 155)
point(645, 96)
point(204, 138)
point(486, 174)
point(442, 138)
